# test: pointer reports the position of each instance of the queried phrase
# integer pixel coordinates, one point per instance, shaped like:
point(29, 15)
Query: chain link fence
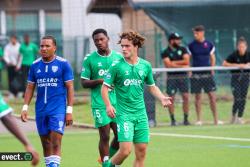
point(230, 86)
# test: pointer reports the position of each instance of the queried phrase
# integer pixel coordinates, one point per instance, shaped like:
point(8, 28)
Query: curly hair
point(136, 38)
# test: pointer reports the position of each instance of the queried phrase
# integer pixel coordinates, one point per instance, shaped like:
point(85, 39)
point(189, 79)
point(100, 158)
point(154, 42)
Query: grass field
point(80, 147)
point(82, 111)
point(192, 146)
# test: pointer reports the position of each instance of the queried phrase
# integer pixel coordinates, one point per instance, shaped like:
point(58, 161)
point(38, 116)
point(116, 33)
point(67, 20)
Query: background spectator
point(28, 52)
point(240, 79)
point(176, 56)
point(203, 54)
point(11, 58)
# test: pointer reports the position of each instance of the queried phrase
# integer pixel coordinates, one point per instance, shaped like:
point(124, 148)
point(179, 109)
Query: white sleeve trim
point(188, 51)
point(85, 78)
point(30, 81)
point(107, 84)
point(69, 80)
point(151, 84)
point(212, 51)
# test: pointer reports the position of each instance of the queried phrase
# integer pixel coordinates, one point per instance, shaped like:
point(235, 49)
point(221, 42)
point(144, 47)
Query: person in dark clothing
point(176, 56)
point(202, 53)
point(240, 79)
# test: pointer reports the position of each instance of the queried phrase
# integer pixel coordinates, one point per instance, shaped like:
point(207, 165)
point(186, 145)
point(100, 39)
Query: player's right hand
point(110, 111)
point(35, 155)
point(24, 116)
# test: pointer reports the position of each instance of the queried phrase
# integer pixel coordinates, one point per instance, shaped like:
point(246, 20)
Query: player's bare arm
point(212, 61)
point(109, 108)
point(241, 65)
point(177, 63)
point(27, 98)
point(91, 83)
point(70, 100)
point(155, 91)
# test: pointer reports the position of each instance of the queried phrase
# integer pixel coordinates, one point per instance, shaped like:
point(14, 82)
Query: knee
point(141, 154)
point(104, 138)
point(56, 145)
point(125, 152)
point(47, 144)
point(198, 97)
point(185, 97)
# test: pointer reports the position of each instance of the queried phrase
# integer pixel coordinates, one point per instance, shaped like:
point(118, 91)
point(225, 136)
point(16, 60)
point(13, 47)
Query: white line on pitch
point(200, 137)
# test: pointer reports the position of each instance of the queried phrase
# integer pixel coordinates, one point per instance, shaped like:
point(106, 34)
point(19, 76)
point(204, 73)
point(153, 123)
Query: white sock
point(56, 159)
point(47, 160)
point(105, 158)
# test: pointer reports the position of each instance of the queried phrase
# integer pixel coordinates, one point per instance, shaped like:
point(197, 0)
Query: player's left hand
point(69, 119)
point(166, 101)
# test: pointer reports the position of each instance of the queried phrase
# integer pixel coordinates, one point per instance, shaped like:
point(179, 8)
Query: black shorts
point(202, 81)
point(174, 84)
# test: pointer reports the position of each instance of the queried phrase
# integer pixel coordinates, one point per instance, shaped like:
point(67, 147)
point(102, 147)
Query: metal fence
point(230, 85)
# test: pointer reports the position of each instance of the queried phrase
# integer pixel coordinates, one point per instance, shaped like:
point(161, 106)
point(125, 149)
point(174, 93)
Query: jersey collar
point(51, 60)
point(138, 60)
point(105, 56)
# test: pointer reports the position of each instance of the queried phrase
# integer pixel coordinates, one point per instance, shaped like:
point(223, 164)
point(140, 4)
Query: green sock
point(112, 151)
point(107, 164)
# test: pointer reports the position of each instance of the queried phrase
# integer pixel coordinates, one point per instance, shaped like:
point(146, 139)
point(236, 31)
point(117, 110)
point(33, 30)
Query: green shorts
point(101, 118)
point(4, 107)
point(133, 129)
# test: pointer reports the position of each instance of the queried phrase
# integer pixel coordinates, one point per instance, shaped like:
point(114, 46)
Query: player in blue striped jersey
point(53, 77)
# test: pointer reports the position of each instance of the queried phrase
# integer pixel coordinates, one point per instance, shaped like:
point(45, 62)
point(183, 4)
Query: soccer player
point(95, 66)
point(128, 78)
point(176, 56)
point(53, 77)
point(203, 54)
point(9, 122)
point(240, 79)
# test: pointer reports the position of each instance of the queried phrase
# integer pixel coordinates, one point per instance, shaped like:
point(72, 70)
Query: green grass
point(83, 114)
point(80, 148)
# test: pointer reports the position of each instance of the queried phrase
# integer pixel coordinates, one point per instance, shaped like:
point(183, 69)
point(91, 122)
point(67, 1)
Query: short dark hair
point(99, 30)
point(26, 35)
point(13, 36)
point(50, 37)
point(242, 40)
point(199, 28)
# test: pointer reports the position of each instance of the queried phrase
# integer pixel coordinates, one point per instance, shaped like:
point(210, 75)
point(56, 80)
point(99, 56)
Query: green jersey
point(28, 53)
point(94, 67)
point(4, 107)
point(1, 56)
point(128, 81)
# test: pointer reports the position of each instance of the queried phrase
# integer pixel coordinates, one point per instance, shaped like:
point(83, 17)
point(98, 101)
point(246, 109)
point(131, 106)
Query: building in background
point(32, 17)
point(67, 20)
point(137, 20)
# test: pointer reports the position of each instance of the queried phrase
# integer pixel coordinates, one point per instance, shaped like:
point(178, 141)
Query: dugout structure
point(225, 20)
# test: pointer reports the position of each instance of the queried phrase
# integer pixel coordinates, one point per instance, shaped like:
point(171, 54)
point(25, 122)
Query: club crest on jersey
point(126, 72)
point(141, 73)
point(54, 68)
point(108, 76)
point(99, 64)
